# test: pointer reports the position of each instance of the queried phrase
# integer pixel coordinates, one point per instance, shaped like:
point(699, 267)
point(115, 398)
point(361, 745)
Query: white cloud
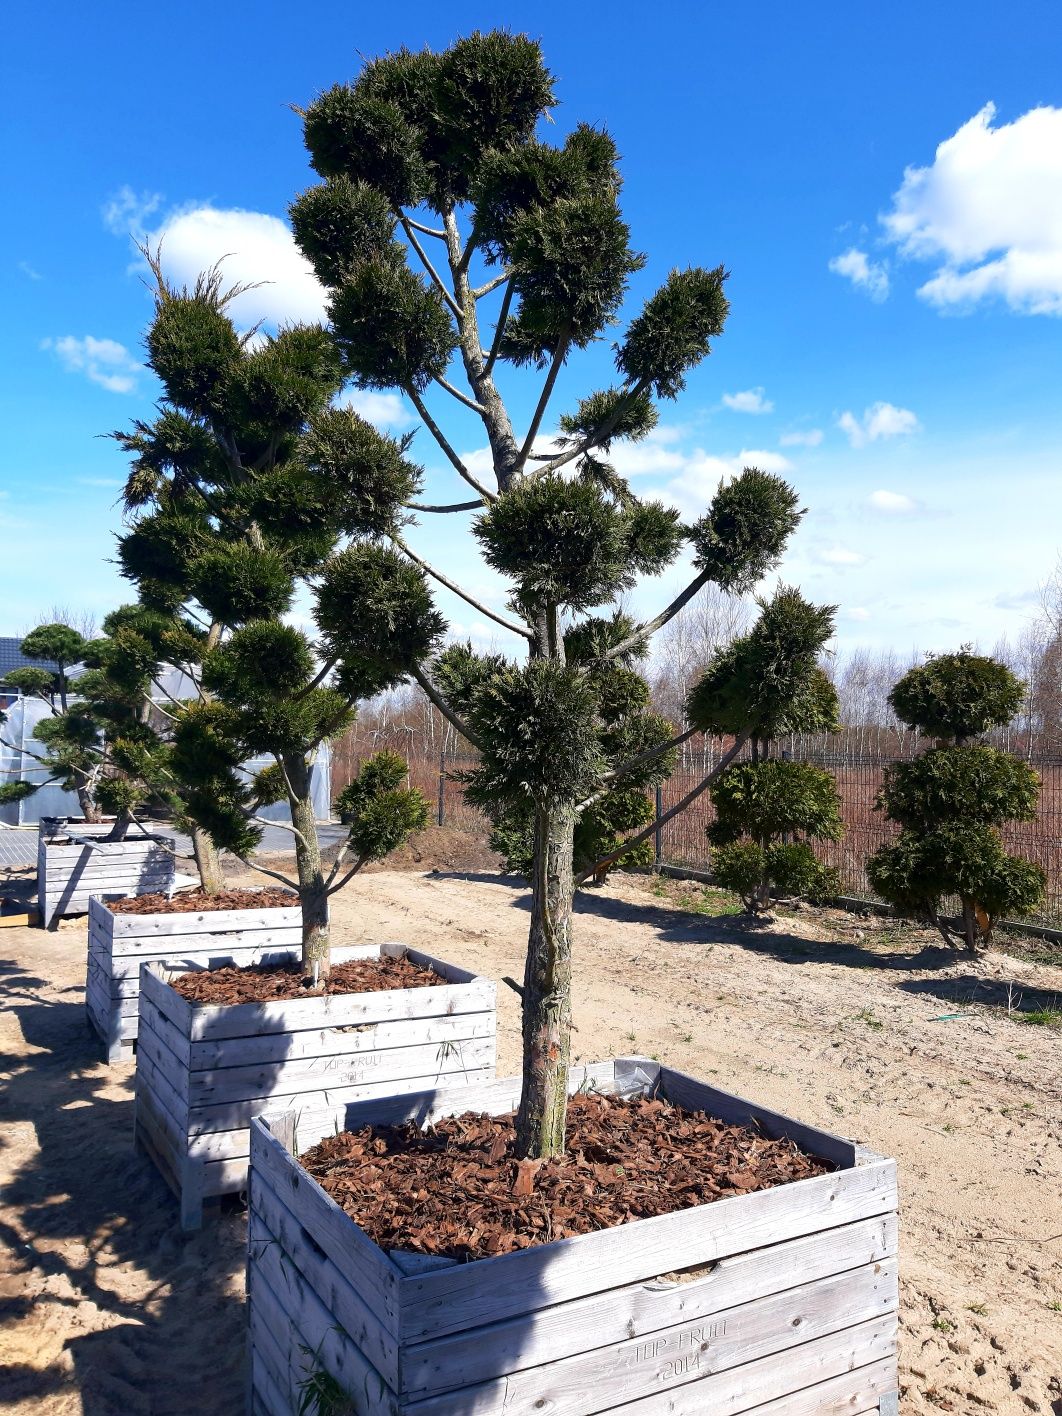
point(383, 410)
point(701, 475)
point(880, 420)
point(30, 272)
point(989, 210)
point(811, 438)
point(104, 361)
point(893, 503)
point(127, 212)
point(865, 274)
point(839, 555)
point(254, 248)
point(651, 457)
point(857, 613)
point(750, 400)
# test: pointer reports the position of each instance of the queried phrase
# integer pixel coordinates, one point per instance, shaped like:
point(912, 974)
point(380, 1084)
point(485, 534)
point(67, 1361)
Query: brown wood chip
point(272, 983)
point(196, 901)
point(457, 1190)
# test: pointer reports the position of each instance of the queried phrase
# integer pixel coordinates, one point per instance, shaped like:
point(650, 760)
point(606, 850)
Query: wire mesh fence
point(858, 775)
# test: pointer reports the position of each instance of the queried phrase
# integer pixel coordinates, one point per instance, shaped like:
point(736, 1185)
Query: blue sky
point(895, 247)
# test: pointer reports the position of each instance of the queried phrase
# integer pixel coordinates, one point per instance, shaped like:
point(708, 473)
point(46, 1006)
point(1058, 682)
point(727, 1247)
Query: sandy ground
point(867, 1030)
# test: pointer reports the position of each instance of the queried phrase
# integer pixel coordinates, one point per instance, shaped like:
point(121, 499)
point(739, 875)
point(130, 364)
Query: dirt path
point(108, 1309)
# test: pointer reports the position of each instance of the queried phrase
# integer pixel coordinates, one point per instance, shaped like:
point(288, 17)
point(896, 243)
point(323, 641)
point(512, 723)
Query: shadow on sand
point(89, 1226)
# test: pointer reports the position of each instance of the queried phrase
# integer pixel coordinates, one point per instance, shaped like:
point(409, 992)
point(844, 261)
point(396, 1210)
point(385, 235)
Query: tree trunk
point(208, 862)
point(89, 810)
point(547, 996)
point(313, 895)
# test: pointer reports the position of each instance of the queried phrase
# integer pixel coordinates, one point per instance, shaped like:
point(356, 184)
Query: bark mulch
point(456, 1190)
point(198, 901)
point(272, 983)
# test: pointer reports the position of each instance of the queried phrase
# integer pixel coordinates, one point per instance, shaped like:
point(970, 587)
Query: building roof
point(12, 657)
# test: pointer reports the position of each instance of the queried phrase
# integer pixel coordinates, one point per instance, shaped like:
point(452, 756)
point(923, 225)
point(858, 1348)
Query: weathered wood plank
point(342, 1010)
point(429, 1062)
point(155, 992)
point(176, 961)
point(325, 1042)
point(126, 927)
point(317, 1326)
point(165, 1065)
point(364, 1266)
point(452, 1299)
point(231, 1114)
point(635, 1310)
point(272, 1222)
point(603, 1378)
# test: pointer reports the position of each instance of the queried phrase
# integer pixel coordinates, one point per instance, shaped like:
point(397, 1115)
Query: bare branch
point(600, 433)
point(273, 874)
point(437, 279)
point(461, 397)
point(283, 825)
point(499, 330)
point(648, 831)
point(482, 290)
point(633, 763)
point(437, 433)
point(427, 230)
point(444, 707)
point(452, 585)
point(451, 506)
point(547, 390)
point(643, 631)
point(332, 889)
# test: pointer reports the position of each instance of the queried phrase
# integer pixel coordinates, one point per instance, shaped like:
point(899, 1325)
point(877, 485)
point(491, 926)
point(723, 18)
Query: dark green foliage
point(279, 385)
point(157, 554)
point(951, 801)
point(566, 542)
point(756, 873)
point(376, 614)
point(176, 452)
point(57, 643)
point(31, 681)
point(364, 474)
point(195, 350)
point(626, 417)
point(460, 672)
point(977, 784)
point(384, 772)
point(365, 140)
point(763, 682)
point(775, 798)
point(340, 223)
point(380, 812)
point(537, 723)
point(235, 583)
point(674, 331)
point(393, 330)
point(957, 695)
point(758, 806)
point(11, 792)
point(745, 530)
point(262, 660)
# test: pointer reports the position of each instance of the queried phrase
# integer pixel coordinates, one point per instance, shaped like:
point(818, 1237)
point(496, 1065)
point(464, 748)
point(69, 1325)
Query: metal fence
point(858, 777)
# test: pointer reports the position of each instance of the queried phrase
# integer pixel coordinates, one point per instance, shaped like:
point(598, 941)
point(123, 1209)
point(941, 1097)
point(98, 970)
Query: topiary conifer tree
point(769, 679)
point(249, 488)
point(454, 243)
point(951, 801)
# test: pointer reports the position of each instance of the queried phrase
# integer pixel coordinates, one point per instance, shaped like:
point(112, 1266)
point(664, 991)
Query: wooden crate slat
point(620, 1314)
point(603, 1378)
point(364, 1266)
point(129, 926)
point(272, 1222)
point(429, 1061)
point(318, 1330)
point(324, 1042)
point(342, 1010)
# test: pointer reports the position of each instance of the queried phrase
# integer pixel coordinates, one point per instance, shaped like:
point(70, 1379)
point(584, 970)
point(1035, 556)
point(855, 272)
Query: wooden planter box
point(202, 1073)
point(69, 872)
point(119, 943)
point(783, 1302)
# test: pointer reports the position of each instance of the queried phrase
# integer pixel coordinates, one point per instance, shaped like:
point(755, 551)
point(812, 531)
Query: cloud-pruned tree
point(951, 801)
point(454, 242)
point(249, 489)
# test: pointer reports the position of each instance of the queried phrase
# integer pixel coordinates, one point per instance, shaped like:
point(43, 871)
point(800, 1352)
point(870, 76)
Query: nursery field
point(857, 1026)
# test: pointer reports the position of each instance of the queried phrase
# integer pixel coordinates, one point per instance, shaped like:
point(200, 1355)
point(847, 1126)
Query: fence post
point(442, 787)
point(658, 837)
